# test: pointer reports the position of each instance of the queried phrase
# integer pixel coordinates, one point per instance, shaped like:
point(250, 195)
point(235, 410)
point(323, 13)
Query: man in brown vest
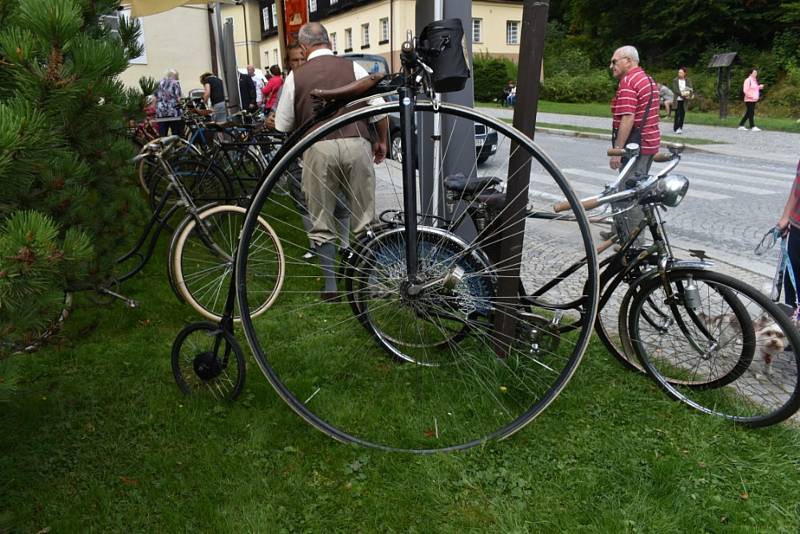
point(342, 162)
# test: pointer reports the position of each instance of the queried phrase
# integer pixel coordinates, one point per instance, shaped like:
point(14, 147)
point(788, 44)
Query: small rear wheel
point(207, 360)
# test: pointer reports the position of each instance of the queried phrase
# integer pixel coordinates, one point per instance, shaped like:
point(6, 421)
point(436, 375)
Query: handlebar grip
point(587, 204)
point(616, 152)
point(661, 157)
point(139, 157)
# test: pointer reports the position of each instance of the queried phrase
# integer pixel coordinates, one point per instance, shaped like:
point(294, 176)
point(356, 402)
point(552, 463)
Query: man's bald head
point(313, 35)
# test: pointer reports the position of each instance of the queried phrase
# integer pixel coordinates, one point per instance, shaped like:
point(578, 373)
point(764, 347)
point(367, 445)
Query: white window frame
point(334, 2)
point(348, 38)
point(312, 6)
point(365, 34)
point(333, 42)
point(476, 35)
point(384, 29)
point(277, 57)
point(266, 59)
point(512, 32)
point(265, 17)
point(274, 10)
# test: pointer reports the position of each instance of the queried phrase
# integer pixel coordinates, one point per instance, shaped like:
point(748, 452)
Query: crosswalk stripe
point(783, 176)
point(737, 176)
point(693, 181)
point(693, 192)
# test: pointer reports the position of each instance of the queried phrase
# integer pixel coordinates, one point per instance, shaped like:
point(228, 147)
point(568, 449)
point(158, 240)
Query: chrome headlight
point(672, 188)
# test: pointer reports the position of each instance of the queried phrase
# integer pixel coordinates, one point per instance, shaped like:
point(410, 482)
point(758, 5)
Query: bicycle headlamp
point(669, 190)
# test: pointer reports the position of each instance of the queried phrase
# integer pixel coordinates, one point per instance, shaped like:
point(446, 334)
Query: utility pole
point(531, 53)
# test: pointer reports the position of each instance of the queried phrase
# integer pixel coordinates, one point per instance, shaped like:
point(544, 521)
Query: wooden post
point(531, 52)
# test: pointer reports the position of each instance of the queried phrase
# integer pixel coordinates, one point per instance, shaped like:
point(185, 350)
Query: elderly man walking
point(634, 113)
point(342, 162)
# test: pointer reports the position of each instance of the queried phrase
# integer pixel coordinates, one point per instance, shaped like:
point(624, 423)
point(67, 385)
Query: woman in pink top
point(752, 92)
point(273, 87)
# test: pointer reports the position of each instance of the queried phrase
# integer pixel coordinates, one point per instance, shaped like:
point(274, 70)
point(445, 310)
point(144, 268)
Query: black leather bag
point(441, 47)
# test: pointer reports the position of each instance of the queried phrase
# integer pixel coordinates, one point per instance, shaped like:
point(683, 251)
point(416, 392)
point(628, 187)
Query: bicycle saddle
point(459, 182)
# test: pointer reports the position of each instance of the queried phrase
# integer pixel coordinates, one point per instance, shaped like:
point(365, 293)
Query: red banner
point(295, 14)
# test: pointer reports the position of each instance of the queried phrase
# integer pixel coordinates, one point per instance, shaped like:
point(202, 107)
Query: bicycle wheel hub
point(207, 365)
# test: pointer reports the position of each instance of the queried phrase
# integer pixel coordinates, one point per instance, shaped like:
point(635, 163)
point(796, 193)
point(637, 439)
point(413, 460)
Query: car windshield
point(371, 65)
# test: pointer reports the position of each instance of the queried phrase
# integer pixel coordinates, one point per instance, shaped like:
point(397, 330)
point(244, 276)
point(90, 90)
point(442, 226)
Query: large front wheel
point(454, 357)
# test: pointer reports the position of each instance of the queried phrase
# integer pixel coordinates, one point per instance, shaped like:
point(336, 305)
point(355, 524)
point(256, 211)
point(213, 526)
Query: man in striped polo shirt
point(635, 92)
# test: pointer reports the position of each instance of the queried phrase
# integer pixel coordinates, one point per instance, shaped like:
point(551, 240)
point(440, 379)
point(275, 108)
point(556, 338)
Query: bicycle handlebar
point(162, 143)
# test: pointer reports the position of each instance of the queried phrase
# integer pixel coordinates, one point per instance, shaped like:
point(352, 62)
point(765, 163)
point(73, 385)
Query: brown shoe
point(330, 296)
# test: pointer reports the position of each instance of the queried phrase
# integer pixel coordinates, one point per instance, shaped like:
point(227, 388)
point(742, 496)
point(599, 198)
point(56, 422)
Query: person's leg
point(627, 222)
point(793, 249)
point(746, 113)
point(668, 107)
point(751, 111)
point(296, 191)
point(321, 192)
point(358, 182)
point(163, 128)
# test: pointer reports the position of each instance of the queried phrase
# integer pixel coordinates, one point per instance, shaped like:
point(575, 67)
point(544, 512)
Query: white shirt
point(259, 82)
point(284, 114)
point(681, 87)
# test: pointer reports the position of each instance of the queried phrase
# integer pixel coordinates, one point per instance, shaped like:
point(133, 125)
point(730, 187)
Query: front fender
point(674, 265)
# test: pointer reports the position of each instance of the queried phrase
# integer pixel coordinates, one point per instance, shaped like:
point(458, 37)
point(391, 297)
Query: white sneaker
point(679, 131)
point(742, 128)
point(755, 129)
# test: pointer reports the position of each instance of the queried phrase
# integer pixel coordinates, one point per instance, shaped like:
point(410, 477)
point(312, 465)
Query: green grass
point(98, 438)
point(600, 109)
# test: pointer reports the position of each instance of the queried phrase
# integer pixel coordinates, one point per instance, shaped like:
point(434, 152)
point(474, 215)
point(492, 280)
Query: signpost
point(722, 62)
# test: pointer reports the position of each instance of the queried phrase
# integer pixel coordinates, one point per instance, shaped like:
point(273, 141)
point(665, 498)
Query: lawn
point(98, 438)
point(599, 109)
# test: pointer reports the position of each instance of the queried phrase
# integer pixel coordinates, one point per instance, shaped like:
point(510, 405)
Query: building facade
point(177, 39)
point(369, 27)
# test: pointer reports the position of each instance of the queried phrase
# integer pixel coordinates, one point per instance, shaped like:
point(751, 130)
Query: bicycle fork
point(407, 129)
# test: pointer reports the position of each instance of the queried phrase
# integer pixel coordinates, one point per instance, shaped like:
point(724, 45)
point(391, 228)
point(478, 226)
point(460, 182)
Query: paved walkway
point(774, 146)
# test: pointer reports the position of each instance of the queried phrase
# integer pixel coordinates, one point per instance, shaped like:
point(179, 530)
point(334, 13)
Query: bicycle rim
point(421, 374)
point(715, 354)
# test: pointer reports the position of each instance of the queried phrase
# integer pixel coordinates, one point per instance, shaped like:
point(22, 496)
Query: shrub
point(490, 77)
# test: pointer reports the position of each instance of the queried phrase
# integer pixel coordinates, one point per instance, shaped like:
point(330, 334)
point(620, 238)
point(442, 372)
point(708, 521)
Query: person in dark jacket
point(247, 92)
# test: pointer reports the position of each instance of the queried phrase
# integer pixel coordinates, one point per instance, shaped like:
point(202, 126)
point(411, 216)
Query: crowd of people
point(333, 202)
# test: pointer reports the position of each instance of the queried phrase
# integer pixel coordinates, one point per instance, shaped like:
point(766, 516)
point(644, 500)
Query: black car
point(485, 138)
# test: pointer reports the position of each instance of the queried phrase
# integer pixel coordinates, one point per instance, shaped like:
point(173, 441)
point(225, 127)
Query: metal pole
point(531, 51)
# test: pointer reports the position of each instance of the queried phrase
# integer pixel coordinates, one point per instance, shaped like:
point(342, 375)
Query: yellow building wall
point(179, 39)
point(493, 39)
point(269, 52)
point(246, 44)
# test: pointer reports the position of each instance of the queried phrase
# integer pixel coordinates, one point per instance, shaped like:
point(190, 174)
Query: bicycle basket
point(441, 47)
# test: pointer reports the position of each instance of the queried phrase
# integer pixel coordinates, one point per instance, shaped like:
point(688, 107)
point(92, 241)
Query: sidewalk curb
point(607, 137)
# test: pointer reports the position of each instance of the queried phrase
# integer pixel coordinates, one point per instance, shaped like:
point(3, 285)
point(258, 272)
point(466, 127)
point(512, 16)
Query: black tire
point(204, 182)
point(207, 360)
point(699, 346)
point(202, 275)
point(329, 359)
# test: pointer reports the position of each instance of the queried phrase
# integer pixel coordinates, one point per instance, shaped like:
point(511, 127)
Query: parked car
point(485, 138)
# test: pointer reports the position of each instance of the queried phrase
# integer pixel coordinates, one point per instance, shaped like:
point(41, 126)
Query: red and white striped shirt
point(633, 94)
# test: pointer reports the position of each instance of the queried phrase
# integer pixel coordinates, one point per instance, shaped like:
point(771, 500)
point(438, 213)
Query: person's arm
point(624, 130)
point(206, 93)
point(791, 203)
point(381, 144)
point(284, 112)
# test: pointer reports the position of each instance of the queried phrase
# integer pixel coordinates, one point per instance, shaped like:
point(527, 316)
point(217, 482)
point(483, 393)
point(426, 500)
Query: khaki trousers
point(338, 166)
